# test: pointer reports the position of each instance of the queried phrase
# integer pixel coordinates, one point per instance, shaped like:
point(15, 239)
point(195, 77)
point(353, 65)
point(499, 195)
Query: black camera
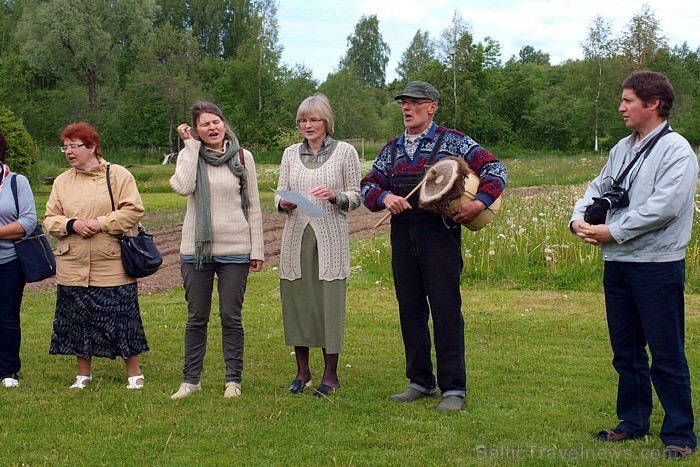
point(596, 213)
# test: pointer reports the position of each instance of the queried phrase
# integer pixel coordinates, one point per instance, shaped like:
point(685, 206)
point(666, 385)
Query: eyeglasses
point(402, 102)
point(73, 147)
point(304, 121)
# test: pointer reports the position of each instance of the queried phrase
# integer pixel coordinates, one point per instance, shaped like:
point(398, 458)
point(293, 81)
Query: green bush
point(21, 150)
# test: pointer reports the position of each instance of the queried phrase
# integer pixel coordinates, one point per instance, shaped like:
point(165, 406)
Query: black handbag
point(140, 257)
point(33, 251)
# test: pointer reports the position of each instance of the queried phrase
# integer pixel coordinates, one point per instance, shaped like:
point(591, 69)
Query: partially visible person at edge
point(315, 252)
point(222, 235)
point(644, 245)
point(13, 226)
point(97, 306)
point(426, 247)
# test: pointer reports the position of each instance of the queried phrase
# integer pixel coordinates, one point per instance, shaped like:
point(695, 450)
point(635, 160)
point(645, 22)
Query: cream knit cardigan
point(340, 172)
point(232, 233)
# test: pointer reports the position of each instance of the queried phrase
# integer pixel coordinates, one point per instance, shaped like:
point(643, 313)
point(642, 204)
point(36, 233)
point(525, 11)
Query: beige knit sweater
point(232, 233)
point(341, 172)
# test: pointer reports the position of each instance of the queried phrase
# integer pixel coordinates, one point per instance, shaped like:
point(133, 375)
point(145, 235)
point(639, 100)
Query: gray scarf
point(202, 196)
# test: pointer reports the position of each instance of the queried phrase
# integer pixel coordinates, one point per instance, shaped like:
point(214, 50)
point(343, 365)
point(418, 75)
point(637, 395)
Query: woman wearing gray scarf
point(222, 234)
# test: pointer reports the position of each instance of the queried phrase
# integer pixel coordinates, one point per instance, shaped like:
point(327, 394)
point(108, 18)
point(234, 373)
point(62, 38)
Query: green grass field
point(540, 378)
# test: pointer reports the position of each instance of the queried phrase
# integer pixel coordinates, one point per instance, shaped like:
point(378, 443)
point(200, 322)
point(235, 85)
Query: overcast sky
point(314, 32)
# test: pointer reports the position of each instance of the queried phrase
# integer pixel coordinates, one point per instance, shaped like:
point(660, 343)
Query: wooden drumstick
point(413, 191)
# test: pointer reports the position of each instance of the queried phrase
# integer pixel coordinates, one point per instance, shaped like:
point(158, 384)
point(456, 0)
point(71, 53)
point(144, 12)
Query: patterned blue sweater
point(492, 173)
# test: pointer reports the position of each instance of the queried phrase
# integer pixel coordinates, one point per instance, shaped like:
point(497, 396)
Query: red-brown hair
point(85, 133)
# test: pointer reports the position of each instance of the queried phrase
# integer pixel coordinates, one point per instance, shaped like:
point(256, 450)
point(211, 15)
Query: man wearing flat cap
point(426, 247)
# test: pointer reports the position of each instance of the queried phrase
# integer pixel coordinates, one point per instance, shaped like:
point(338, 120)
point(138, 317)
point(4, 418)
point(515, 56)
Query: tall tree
point(82, 36)
point(168, 68)
point(528, 54)
point(598, 49)
point(456, 46)
point(354, 105)
point(296, 84)
point(7, 23)
point(642, 38)
point(419, 53)
point(489, 53)
point(220, 26)
point(367, 53)
point(266, 44)
point(253, 74)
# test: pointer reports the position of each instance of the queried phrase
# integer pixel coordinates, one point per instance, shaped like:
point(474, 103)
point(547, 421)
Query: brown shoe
point(676, 452)
point(614, 435)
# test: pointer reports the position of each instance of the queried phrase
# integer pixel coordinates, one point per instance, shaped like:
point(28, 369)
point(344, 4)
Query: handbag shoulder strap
point(111, 197)
point(109, 187)
point(13, 186)
point(241, 157)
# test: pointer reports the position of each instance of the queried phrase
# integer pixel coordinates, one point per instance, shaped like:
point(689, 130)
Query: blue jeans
point(645, 306)
point(12, 280)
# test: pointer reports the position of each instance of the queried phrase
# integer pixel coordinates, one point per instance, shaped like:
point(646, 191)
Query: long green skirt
point(313, 310)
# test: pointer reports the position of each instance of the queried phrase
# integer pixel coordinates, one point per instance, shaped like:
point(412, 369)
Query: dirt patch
point(361, 222)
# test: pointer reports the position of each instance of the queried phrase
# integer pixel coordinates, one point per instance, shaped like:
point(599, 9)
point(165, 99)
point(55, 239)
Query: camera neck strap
point(646, 149)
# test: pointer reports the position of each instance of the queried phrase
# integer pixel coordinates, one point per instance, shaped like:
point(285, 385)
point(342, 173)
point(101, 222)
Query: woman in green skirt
point(315, 255)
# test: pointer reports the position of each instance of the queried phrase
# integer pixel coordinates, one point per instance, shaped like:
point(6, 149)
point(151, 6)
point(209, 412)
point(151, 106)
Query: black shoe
point(298, 385)
point(324, 391)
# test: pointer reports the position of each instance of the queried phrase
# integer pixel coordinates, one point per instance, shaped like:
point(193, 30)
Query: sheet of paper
point(304, 206)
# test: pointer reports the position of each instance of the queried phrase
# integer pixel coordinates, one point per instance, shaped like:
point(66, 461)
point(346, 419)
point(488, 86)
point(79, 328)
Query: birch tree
point(598, 48)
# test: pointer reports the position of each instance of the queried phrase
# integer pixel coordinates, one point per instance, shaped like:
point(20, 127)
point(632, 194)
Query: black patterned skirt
point(98, 322)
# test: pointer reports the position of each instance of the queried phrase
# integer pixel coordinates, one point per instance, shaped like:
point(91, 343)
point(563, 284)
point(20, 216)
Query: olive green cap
point(420, 90)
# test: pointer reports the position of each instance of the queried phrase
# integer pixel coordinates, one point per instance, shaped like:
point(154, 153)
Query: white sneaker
point(10, 382)
point(185, 390)
point(233, 389)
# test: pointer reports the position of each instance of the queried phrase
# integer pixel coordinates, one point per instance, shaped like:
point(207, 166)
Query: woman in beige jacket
point(97, 308)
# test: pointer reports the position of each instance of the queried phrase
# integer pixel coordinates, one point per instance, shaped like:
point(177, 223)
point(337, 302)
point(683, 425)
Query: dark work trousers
point(199, 286)
point(645, 306)
point(427, 262)
point(12, 280)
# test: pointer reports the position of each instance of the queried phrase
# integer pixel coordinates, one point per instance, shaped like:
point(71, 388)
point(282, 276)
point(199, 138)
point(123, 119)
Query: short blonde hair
point(317, 106)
